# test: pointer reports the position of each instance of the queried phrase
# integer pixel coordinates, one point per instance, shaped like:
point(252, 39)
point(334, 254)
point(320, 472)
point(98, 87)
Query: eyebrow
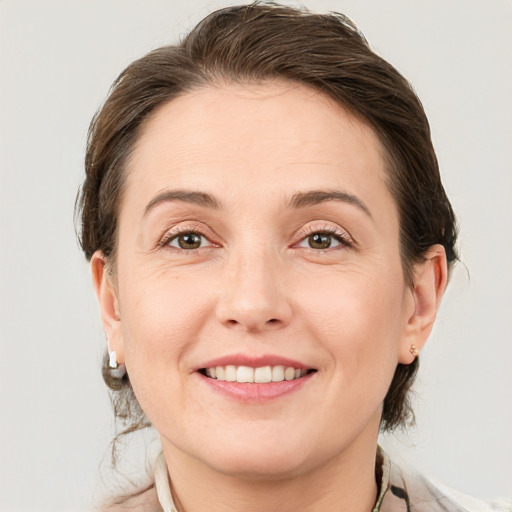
point(313, 197)
point(298, 200)
point(186, 196)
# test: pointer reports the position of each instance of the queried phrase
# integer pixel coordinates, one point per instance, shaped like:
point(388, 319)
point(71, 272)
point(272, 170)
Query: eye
point(322, 240)
point(319, 241)
point(189, 240)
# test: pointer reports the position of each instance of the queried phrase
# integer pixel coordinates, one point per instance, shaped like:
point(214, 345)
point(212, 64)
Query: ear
point(108, 302)
point(430, 279)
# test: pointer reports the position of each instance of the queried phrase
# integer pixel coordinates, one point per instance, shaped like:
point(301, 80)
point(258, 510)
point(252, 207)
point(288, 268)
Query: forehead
point(274, 135)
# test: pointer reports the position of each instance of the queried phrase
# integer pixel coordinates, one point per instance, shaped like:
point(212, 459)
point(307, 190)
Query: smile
point(255, 379)
point(259, 375)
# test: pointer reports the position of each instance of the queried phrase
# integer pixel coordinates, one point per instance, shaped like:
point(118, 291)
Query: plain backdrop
point(58, 59)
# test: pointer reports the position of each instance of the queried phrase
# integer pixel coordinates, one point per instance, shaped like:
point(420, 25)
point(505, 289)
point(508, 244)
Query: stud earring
point(414, 351)
point(112, 363)
point(116, 370)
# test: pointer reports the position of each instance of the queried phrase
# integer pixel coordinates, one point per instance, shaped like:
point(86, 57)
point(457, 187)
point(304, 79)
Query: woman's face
point(256, 231)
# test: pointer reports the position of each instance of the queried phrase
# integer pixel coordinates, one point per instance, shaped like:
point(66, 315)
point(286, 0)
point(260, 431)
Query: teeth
point(263, 374)
point(289, 374)
point(245, 374)
point(211, 372)
point(259, 375)
point(220, 373)
point(230, 374)
point(277, 373)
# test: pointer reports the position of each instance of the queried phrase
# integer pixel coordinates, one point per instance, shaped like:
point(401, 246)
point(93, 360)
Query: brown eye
point(322, 240)
point(319, 241)
point(187, 241)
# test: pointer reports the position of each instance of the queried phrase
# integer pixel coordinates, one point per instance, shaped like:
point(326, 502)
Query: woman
point(270, 242)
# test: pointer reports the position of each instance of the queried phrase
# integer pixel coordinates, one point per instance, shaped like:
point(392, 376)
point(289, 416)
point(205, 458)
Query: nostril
point(250, 320)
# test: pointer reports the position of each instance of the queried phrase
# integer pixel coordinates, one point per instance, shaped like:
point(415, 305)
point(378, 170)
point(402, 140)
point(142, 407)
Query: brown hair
point(264, 42)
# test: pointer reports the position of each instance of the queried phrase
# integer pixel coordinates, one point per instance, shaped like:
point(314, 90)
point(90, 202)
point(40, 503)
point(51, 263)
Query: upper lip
point(254, 361)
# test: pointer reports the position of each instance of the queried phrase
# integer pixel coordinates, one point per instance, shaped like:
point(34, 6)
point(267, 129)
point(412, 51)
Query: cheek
point(359, 318)
point(161, 319)
point(164, 306)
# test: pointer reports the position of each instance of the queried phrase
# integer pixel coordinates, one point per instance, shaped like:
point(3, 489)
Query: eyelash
point(175, 233)
point(340, 236)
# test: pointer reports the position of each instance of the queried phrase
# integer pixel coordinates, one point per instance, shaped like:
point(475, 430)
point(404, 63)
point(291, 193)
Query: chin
point(259, 467)
point(264, 458)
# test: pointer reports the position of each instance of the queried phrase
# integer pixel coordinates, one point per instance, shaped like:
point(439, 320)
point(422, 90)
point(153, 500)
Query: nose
point(253, 297)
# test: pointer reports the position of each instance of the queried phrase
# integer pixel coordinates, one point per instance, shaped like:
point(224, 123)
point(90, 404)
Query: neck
point(344, 483)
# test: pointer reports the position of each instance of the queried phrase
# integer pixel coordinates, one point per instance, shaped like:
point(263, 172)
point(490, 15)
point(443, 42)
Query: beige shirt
point(404, 490)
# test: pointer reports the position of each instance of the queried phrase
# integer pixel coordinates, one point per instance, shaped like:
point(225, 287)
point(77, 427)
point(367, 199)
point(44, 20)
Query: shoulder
point(409, 491)
point(464, 502)
point(146, 501)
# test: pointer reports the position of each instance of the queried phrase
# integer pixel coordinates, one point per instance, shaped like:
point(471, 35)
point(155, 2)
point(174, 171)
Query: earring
point(116, 370)
point(112, 363)
point(414, 351)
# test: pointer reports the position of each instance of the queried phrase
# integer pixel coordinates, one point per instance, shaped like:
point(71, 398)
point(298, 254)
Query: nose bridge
point(253, 297)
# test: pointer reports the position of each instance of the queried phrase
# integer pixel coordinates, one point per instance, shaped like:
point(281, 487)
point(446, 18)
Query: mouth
point(255, 379)
point(257, 375)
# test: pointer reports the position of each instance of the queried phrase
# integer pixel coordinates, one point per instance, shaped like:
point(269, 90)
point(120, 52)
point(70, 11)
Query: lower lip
point(249, 392)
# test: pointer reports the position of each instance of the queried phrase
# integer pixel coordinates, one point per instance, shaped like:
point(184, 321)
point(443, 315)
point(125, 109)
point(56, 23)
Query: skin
point(256, 286)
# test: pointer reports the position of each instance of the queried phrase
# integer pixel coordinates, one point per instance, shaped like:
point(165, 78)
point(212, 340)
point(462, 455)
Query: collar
point(163, 488)
point(392, 497)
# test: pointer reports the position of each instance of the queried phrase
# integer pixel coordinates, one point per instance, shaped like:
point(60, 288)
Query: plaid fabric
point(401, 490)
point(404, 490)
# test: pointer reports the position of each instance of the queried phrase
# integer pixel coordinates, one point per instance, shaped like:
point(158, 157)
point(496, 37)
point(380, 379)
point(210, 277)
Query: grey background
point(58, 59)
